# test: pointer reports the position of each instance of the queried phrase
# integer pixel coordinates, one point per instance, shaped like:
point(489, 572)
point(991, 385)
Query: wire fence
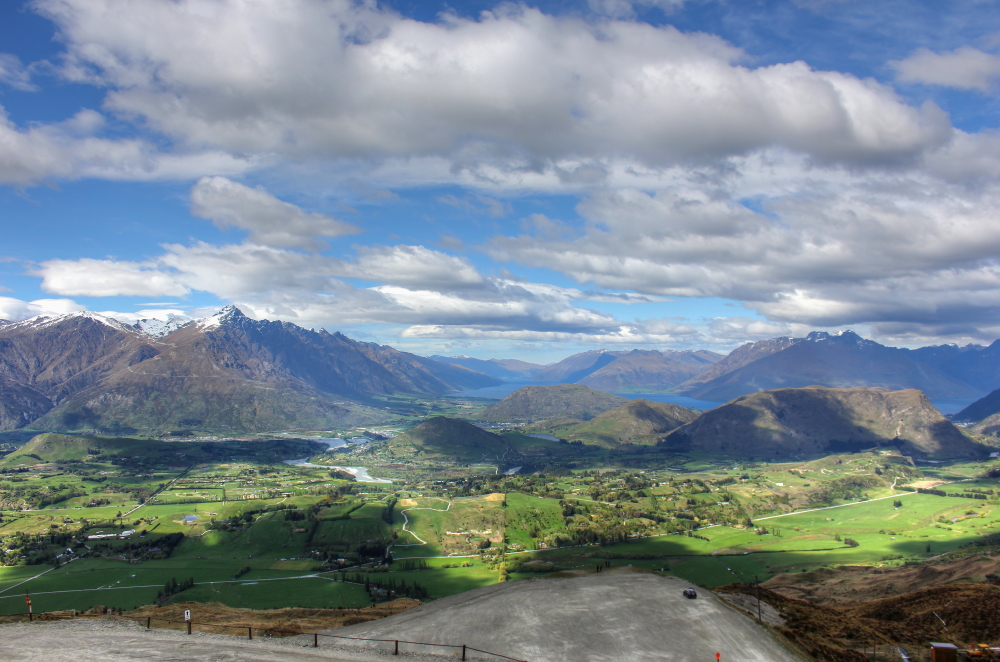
point(260, 632)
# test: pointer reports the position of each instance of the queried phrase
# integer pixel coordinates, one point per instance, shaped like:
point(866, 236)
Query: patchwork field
point(258, 534)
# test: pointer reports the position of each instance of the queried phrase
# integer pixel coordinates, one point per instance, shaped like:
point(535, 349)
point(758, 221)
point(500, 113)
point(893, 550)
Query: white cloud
point(477, 204)
point(271, 222)
point(622, 336)
point(105, 278)
point(413, 266)
point(799, 243)
point(15, 74)
point(424, 286)
point(965, 68)
point(234, 271)
point(70, 150)
point(16, 310)
point(342, 80)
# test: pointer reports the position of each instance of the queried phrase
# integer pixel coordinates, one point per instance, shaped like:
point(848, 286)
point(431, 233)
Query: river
point(360, 473)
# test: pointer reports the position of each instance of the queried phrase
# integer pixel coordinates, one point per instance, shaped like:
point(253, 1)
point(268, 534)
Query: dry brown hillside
point(824, 420)
point(854, 582)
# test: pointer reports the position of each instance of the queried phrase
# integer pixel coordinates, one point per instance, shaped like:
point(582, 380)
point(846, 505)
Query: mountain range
point(843, 360)
point(226, 372)
point(506, 369)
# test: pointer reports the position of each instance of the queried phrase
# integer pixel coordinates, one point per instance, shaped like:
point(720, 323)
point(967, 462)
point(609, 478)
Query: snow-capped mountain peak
point(44, 321)
point(156, 328)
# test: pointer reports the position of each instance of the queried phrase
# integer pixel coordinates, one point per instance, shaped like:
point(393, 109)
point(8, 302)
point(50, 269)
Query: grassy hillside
point(61, 448)
point(563, 401)
point(638, 421)
point(156, 404)
point(816, 420)
point(454, 438)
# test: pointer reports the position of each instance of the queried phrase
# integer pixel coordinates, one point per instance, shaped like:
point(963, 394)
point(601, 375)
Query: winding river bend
point(360, 473)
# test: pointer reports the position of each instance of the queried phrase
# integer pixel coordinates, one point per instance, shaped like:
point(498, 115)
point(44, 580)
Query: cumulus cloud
point(413, 265)
point(338, 79)
point(71, 150)
point(271, 222)
point(964, 68)
point(16, 310)
point(417, 286)
point(105, 278)
point(627, 335)
point(800, 244)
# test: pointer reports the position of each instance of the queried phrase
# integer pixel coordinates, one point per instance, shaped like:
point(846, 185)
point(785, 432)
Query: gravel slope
point(605, 617)
point(110, 640)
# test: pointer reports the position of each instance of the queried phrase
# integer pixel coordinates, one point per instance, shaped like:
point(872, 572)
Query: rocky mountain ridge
point(840, 360)
point(843, 360)
point(226, 372)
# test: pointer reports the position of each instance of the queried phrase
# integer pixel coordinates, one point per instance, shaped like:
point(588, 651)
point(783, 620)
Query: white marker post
point(187, 618)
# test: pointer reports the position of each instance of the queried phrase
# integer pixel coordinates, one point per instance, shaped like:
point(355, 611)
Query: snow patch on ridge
point(227, 314)
point(158, 328)
point(45, 321)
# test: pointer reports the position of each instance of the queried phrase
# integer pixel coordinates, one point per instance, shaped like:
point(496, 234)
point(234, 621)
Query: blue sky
point(508, 180)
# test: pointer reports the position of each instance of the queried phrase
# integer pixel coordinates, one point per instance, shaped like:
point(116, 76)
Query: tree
point(851, 542)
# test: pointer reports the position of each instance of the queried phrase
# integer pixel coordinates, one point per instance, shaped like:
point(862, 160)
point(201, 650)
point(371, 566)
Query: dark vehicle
point(690, 593)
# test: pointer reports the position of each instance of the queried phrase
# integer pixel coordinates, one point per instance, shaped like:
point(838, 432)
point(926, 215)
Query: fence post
point(250, 633)
point(463, 652)
point(189, 627)
point(396, 652)
point(149, 621)
point(315, 640)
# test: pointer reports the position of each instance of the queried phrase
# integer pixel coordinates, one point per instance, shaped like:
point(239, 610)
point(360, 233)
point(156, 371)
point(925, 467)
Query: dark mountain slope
point(506, 369)
point(980, 409)
point(574, 368)
point(973, 364)
point(43, 361)
point(739, 357)
point(539, 403)
point(20, 405)
point(840, 361)
point(649, 370)
point(454, 437)
point(637, 421)
point(790, 421)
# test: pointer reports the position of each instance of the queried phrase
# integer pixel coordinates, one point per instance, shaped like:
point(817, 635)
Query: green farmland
point(113, 526)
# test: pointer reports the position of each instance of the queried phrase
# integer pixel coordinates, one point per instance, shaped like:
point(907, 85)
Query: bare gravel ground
point(614, 616)
point(90, 640)
point(606, 617)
